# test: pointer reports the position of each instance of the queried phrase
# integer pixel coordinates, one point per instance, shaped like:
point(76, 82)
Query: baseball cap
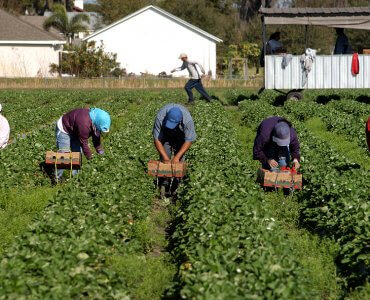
point(182, 55)
point(101, 119)
point(281, 135)
point(173, 117)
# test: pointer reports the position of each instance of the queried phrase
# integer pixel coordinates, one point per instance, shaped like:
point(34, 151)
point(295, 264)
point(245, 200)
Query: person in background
point(74, 129)
point(342, 45)
point(195, 80)
point(4, 130)
point(274, 46)
point(276, 143)
point(367, 130)
point(173, 130)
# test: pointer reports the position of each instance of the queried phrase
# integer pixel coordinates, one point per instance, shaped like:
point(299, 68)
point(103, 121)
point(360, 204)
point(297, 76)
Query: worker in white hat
point(4, 130)
point(195, 79)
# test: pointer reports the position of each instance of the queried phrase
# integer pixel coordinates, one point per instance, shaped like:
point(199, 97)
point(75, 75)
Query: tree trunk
point(245, 68)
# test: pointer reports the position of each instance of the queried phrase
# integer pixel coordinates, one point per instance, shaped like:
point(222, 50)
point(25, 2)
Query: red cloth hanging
point(355, 64)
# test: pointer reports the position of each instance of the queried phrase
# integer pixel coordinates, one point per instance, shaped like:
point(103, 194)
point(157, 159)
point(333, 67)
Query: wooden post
point(245, 68)
point(230, 68)
point(305, 36)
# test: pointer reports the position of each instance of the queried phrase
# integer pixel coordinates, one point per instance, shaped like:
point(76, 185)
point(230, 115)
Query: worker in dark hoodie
point(75, 128)
point(276, 144)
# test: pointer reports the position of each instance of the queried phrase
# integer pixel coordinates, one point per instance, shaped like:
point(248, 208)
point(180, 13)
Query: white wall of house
point(151, 43)
point(27, 60)
point(79, 3)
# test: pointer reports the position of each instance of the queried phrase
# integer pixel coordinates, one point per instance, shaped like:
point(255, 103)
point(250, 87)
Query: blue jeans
point(197, 84)
point(66, 143)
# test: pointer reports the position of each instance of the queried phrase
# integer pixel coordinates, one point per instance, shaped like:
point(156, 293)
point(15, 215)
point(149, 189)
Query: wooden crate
point(284, 179)
point(63, 160)
point(159, 169)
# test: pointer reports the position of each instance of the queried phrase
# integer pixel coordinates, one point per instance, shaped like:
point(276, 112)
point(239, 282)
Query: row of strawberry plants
point(21, 160)
point(334, 195)
point(336, 203)
point(351, 126)
point(351, 107)
point(28, 110)
point(230, 245)
point(67, 251)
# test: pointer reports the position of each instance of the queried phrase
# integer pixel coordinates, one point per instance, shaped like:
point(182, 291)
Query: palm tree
point(59, 20)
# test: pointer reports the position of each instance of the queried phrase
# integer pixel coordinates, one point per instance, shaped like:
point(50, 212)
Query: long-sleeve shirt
point(342, 45)
point(78, 124)
point(192, 68)
point(4, 132)
point(273, 46)
point(263, 142)
point(186, 126)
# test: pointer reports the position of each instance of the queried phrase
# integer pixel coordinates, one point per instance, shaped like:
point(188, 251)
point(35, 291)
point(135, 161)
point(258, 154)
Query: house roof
point(343, 17)
point(163, 13)
point(38, 21)
point(15, 30)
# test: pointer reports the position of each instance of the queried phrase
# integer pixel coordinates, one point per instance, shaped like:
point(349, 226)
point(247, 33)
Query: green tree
point(88, 61)
point(59, 20)
point(34, 6)
point(113, 10)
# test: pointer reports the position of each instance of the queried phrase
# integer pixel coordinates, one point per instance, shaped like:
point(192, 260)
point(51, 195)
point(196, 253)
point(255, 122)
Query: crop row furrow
point(68, 251)
point(230, 245)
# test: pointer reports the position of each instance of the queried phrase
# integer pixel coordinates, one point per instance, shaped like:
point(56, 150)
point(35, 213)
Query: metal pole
point(264, 35)
point(305, 36)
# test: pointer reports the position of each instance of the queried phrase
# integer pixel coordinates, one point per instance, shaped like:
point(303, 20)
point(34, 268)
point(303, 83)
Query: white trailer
point(328, 71)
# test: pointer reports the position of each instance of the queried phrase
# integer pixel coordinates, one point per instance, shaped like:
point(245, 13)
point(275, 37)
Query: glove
point(101, 152)
point(296, 164)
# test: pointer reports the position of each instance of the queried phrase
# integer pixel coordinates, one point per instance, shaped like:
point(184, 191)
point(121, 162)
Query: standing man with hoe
point(195, 80)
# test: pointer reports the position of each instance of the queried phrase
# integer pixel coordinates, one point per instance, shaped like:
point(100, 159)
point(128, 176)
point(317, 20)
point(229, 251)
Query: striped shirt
point(192, 69)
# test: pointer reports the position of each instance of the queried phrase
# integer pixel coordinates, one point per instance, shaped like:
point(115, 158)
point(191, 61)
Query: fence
point(123, 83)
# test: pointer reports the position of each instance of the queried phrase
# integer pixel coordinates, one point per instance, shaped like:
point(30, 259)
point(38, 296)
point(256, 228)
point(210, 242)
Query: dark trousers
point(173, 145)
point(197, 84)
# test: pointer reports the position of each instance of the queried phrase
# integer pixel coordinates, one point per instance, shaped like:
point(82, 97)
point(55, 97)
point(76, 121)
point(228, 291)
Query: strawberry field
point(106, 234)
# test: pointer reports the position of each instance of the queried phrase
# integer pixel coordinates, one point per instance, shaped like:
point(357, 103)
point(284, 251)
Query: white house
point(151, 39)
point(25, 50)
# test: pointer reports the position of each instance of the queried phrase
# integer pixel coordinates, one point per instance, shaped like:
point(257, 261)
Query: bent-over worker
point(173, 131)
point(276, 143)
point(4, 130)
point(75, 127)
point(195, 80)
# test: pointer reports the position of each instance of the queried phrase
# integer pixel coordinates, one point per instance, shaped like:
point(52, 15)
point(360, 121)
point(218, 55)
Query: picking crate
point(64, 160)
point(280, 179)
point(157, 168)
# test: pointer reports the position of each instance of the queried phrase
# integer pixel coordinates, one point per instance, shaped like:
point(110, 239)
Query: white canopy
point(346, 17)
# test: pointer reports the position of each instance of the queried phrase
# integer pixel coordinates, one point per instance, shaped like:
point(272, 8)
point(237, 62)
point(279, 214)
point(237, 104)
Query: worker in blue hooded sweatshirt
point(276, 144)
point(173, 131)
point(74, 129)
